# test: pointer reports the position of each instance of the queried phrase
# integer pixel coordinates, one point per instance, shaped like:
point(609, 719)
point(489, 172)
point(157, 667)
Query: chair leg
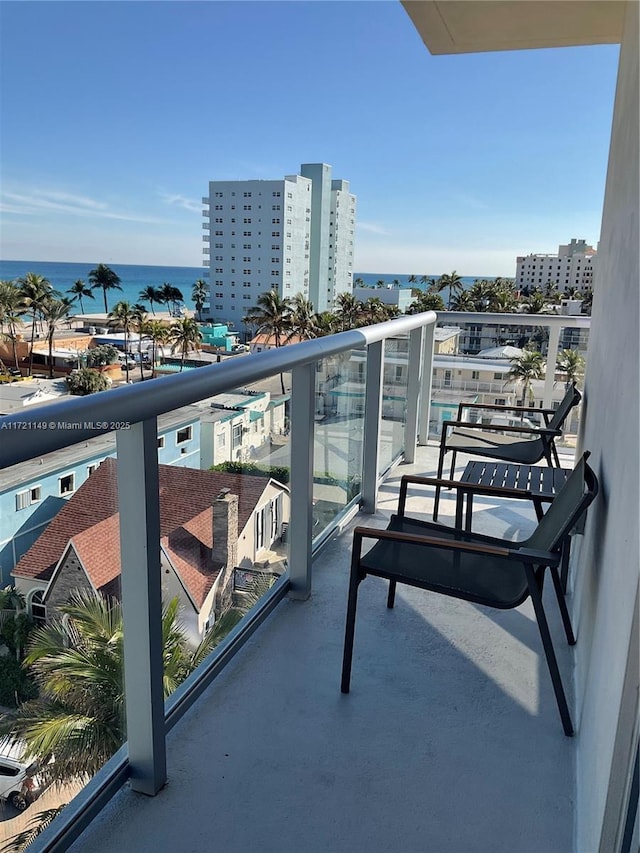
point(391, 595)
point(554, 450)
point(443, 450)
point(354, 582)
point(564, 565)
point(453, 463)
point(562, 604)
point(549, 652)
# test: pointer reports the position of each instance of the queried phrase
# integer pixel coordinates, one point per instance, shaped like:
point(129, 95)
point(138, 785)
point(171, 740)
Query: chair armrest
point(497, 491)
point(502, 408)
point(527, 555)
point(361, 533)
point(501, 428)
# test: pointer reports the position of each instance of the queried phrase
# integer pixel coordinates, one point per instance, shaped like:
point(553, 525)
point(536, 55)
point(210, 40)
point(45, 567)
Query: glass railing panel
point(394, 400)
point(487, 370)
point(61, 650)
point(338, 435)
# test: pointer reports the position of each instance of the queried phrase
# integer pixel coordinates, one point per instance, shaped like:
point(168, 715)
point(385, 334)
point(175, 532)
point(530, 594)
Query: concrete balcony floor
point(450, 740)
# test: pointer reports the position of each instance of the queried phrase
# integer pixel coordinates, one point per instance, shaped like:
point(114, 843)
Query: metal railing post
point(428, 338)
point(139, 512)
point(302, 447)
point(414, 385)
point(372, 416)
point(552, 357)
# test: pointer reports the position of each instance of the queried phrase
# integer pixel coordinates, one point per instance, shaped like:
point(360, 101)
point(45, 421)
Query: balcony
point(450, 739)
point(466, 689)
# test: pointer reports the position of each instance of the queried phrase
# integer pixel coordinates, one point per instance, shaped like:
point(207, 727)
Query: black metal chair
point(523, 445)
point(481, 569)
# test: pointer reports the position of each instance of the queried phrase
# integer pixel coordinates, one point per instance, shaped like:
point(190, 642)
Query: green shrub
point(14, 682)
point(86, 381)
point(278, 472)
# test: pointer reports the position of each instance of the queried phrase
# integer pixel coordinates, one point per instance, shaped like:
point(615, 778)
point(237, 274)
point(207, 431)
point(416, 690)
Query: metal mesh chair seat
point(500, 583)
point(510, 448)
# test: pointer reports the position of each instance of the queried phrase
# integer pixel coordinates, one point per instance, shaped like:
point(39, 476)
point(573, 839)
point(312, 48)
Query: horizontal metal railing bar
point(456, 318)
point(73, 420)
point(186, 694)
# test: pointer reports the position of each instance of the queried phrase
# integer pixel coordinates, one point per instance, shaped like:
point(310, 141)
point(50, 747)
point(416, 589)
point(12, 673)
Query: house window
point(497, 376)
point(37, 608)
point(222, 439)
point(160, 442)
point(475, 374)
point(67, 484)
point(28, 497)
point(184, 434)
point(260, 529)
point(236, 435)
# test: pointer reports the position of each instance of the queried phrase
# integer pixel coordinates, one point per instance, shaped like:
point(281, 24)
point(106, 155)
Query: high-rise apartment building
point(571, 267)
point(293, 235)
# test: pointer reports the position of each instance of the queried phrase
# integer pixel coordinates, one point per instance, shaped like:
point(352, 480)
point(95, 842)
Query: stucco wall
point(608, 560)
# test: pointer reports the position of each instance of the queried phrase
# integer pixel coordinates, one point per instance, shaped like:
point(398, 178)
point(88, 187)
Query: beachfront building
point(400, 297)
point(572, 266)
point(293, 235)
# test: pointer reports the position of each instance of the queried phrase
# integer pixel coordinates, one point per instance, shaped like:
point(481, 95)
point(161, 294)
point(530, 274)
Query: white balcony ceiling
point(471, 26)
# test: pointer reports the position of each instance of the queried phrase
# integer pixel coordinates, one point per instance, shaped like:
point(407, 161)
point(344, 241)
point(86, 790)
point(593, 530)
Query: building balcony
point(449, 740)
point(446, 697)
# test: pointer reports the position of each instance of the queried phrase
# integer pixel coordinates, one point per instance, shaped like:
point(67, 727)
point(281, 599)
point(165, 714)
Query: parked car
point(126, 361)
point(20, 783)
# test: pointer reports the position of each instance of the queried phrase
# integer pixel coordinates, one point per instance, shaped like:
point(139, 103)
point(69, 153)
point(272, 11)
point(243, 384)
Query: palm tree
point(80, 289)
point(534, 303)
point(271, 317)
point(302, 321)
point(140, 318)
point(571, 363)
point(460, 302)
point(199, 295)
point(572, 292)
point(34, 290)
point(325, 323)
point(150, 294)
point(525, 368)
point(123, 316)
point(412, 279)
point(105, 278)
point(77, 663)
point(11, 311)
point(54, 311)
point(170, 294)
point(159, 334)
point(452, 281)
point(427, 302)
point(348, 310)
point(184, 335)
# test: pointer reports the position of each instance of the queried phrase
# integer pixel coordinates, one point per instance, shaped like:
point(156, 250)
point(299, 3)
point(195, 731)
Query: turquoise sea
point(135, 278)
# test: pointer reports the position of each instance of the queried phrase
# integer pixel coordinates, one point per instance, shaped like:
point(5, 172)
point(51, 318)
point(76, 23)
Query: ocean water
point(134, 278)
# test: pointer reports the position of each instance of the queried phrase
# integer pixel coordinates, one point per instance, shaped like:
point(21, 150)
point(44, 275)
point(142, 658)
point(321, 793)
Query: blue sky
point(115, 115)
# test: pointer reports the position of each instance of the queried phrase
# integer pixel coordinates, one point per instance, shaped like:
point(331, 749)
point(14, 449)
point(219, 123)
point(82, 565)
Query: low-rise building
point(32, 493)
point(239, 425)
point(210, 524)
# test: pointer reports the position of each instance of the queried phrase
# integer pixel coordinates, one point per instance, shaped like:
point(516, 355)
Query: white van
point(19, 784)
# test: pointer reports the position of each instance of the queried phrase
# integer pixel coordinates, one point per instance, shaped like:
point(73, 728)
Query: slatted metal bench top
point(542, 482)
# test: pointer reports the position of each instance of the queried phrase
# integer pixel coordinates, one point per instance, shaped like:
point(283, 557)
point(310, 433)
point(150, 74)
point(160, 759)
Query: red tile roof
point(90, 519)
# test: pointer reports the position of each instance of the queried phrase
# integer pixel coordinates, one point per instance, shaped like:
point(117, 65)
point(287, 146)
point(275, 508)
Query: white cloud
point(422, 259)
point(372, 228)
point(190, 204)
point(39, 202)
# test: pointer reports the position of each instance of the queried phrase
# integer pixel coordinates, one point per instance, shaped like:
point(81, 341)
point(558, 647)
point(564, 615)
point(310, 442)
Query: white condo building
point(293, 235)
point(571, 267)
